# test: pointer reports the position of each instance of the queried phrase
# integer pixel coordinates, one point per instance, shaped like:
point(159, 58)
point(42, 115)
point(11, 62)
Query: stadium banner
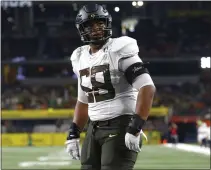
point(18, 139)
point(159, 111)
point(57, 139)
point(37, 114)
point(60, 113)
point(41, 139)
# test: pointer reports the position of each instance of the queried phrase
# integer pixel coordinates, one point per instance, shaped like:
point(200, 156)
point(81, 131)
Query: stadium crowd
point(19, 98)
point(184, 98)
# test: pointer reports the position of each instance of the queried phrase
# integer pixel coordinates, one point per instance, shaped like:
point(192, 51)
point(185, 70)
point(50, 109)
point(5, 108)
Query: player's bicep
point(135, 72)
point(82, 97)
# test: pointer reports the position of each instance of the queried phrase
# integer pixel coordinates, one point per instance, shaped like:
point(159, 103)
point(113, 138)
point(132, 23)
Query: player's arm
point(79, 120)
point(144, 103)
point(81, 109)
point(80, 116)
point(145, 96)
point(138, 76)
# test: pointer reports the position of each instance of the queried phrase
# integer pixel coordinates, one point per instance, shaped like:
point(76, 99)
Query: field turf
point(151, 157)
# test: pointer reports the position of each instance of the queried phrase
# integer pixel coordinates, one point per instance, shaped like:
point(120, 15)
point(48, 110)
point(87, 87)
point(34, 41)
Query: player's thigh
point(115, 154)
point(90, 153)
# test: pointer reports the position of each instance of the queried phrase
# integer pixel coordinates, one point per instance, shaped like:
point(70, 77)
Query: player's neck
point(95, 48)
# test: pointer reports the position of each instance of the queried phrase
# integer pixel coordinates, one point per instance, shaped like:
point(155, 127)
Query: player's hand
point(72, 143)
point(73, 148)
point(132, 142)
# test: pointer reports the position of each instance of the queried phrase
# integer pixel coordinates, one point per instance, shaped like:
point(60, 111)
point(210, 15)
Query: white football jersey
point(101, 83)
point(202, 131)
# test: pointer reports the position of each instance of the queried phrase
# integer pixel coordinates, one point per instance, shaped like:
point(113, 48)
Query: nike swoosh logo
point(110, 136)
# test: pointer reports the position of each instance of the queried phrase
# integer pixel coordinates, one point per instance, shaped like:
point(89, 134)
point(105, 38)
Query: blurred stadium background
point(39, 87)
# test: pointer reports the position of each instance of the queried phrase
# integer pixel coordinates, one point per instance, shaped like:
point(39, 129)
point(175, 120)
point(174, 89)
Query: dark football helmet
point(89, 13)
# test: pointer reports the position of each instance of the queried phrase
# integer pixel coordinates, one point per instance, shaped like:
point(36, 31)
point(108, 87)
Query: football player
point(203, 133)
point(115, 92)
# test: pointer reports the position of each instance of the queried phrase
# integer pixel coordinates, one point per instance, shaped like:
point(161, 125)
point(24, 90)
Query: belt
point(117, 120)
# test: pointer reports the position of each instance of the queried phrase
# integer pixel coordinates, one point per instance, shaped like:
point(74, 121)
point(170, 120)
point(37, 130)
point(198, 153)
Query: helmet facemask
point(85, 30)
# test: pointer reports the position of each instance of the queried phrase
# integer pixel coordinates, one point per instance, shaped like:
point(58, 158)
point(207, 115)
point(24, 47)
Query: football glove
point(73, 148)
point(72, 143)
point(133, 142)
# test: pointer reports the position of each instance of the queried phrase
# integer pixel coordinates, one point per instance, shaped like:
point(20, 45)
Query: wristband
point(136, 125)
point(74, 132)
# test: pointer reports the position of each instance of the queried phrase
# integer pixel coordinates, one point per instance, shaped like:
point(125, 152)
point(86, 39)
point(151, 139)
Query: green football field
point(151, 157)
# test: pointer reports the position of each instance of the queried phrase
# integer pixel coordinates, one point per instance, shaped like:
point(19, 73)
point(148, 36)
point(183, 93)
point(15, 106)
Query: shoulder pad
point(76, 56)
point(125, 46)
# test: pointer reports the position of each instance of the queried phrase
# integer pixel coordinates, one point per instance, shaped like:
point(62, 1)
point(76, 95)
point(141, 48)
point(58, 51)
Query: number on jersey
point(99, 91)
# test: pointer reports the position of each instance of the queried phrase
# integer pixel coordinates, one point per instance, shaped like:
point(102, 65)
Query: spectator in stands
point(9, 127)
point(173, 134)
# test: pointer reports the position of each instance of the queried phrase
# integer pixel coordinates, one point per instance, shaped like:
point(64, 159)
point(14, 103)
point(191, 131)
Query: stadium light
point(140, 3)
point(131, 29)
point(134, 3)
point(116, 9)
point(10, 19)
point(205, 62)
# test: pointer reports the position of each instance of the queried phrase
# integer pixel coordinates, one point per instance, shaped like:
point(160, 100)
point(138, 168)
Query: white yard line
point(38, 163)
point(52, 159)
point(189, 148)
point(61, 155)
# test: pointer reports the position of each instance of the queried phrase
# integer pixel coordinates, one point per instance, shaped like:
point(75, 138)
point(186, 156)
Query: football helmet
point(90, 13)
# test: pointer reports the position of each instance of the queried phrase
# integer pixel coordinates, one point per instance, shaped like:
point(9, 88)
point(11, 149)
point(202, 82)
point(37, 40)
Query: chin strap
point(99, 42)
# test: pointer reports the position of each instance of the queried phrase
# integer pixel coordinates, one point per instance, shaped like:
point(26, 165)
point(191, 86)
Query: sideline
point(189, 148)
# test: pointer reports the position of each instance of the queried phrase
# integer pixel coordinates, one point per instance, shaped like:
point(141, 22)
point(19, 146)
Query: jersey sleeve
point(75, 64)
point(125, 47)
point(75, 60)
point(122, 48)
point(128, 62)
point(135, 72)
point(82, 97)
point(124, 63)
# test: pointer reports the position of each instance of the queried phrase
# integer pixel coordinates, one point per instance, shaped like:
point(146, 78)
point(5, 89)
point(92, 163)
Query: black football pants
point(104, 146)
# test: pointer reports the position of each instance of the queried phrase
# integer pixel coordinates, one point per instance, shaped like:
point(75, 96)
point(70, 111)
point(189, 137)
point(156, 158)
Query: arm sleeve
point(124, 63)
point(142, 78)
